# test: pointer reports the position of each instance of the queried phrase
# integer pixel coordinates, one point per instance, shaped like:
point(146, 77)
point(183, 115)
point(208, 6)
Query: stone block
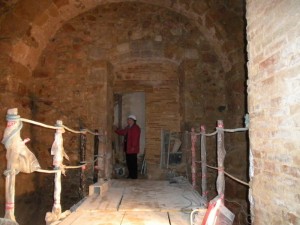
point(191, 54)
point(60, 3)
point(13, 26)
point(123, 48)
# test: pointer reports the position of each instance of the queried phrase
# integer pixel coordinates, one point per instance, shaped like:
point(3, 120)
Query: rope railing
point(39, 124)
point(220, 130)
point(16, 148)
point(236, 130)
point(82, 131)
point(69, 167)
point(229, 175)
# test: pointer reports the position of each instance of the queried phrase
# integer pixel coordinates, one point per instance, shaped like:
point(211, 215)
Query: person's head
point(131, 120)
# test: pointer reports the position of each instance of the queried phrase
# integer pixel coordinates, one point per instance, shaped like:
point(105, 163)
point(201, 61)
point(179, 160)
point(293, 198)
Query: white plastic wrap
point(19, 159)
point(18, 156)
point(57, 150)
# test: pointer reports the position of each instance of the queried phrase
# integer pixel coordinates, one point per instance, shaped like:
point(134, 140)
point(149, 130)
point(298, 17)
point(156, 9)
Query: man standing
point(131, 135)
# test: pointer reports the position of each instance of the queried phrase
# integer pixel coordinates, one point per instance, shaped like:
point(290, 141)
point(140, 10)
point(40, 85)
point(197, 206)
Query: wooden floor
point(137, 202)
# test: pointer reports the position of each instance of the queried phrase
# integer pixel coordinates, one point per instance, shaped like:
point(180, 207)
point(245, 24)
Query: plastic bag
point(19, 157)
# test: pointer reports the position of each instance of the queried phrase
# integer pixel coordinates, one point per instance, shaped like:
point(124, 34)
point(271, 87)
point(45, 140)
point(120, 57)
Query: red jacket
point(133, 138)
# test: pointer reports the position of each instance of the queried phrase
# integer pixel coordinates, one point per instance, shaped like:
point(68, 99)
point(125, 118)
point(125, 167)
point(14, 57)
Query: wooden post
point(96, 149)
point(57, 152)
point(56, 209)
point(193, 140)
point(10, 173)
point(203, 164)
point(186, 153)
point(82, 188)
point(120, 138)
point(221, 156)
point(19, 159)
point(10, 181)
point(108, 158)
point(102, 156)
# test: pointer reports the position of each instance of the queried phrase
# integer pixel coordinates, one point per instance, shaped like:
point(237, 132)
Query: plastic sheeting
point(57, 150)
point(19, 157)
point(7, 222)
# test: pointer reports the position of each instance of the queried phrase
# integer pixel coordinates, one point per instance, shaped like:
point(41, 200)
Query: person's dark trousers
point(131, 160)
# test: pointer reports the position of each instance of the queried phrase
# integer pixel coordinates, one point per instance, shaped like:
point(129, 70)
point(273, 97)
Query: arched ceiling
point(124, 32)
point(29, 26)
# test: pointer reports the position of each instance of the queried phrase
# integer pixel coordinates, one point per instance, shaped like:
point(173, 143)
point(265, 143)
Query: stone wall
point(160, 83)
point(144, 58)
point(59, 60)
point(273, 86)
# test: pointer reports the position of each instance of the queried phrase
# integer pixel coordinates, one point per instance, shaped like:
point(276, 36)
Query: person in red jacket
point(131, 135)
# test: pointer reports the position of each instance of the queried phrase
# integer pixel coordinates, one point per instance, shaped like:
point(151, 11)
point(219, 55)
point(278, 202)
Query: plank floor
point(137, 202)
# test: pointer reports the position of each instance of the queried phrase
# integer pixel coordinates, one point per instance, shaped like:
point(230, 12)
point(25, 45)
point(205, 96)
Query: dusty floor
point(137, 202)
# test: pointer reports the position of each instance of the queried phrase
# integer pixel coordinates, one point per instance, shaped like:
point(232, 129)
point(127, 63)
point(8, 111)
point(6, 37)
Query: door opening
point(128, 104)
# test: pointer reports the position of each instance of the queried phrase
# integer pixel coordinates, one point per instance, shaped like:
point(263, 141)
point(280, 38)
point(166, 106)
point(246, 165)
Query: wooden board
point(139, 199)
point(179, 218)
point(137, 202)
point(176, 198)
point(145, 218)
point(94, 218)
point(158, 196)
point(71, 218)
point(109, 202)
point(91, 203)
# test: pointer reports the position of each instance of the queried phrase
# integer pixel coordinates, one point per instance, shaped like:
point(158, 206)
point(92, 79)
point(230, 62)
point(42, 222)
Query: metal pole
point(221, 156)
point(193, 140)
point(82, 188)
point(203, 164)
point(96, 148)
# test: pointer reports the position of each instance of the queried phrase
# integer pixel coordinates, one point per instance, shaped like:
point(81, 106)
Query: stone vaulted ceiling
point(28, 26)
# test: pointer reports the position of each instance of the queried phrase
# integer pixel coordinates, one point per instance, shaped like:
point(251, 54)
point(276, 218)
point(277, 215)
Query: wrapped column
point(221, 157)
point(19, 159)
point(57, 151)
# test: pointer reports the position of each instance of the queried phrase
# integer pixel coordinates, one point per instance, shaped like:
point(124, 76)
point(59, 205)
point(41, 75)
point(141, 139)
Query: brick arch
point(152, 50)
point(37, 23)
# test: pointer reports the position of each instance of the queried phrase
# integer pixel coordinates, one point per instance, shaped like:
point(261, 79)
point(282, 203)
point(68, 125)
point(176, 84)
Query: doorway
point(129, 104)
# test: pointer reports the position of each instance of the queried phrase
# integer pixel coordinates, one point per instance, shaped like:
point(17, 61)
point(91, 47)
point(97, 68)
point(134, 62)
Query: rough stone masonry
point(64, 59)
